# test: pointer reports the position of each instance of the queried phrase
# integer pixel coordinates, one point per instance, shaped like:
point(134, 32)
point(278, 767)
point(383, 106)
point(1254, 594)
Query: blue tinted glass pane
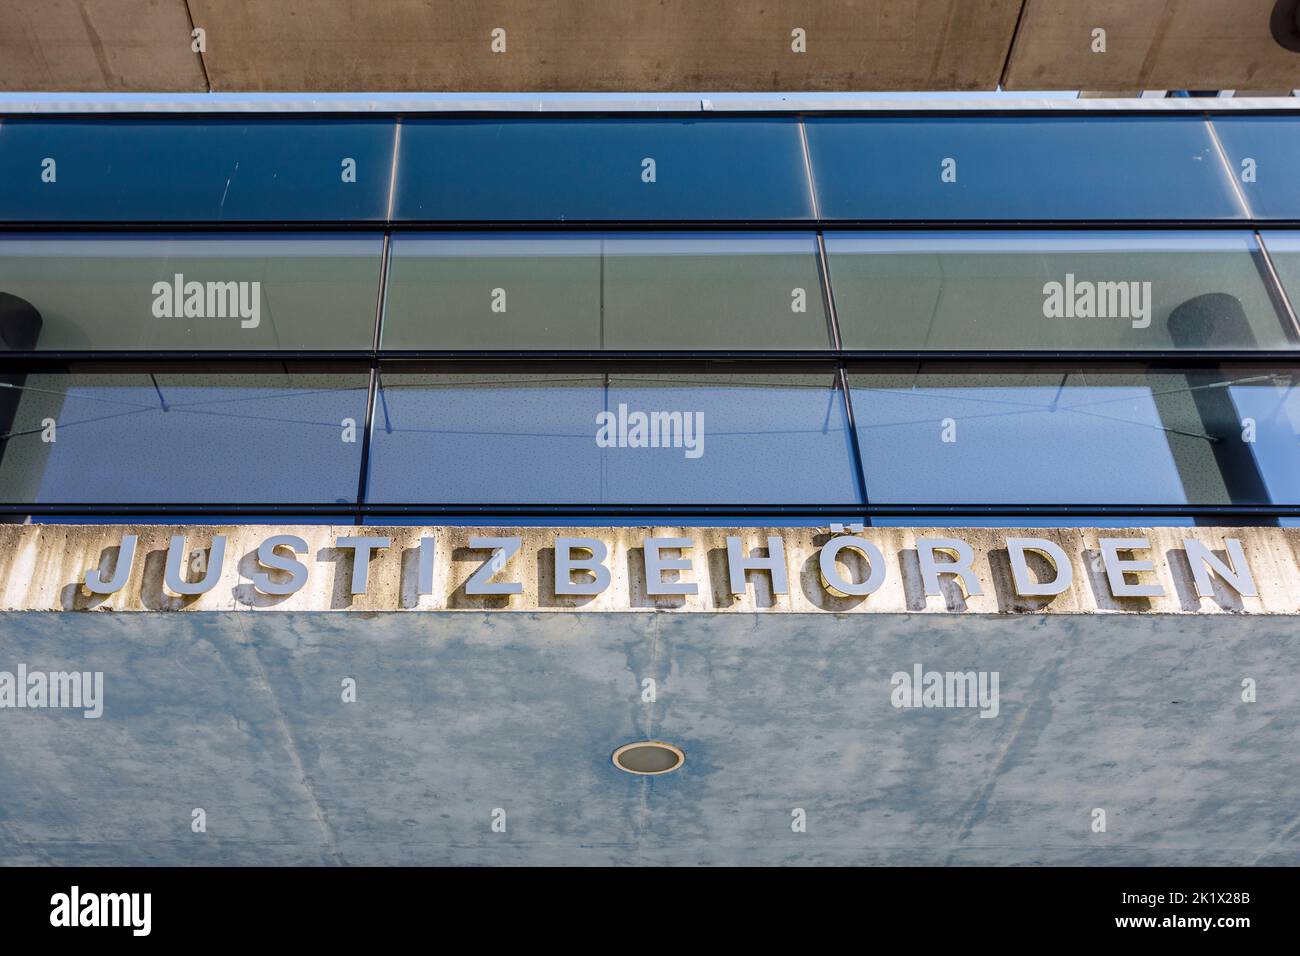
point(257, 435)
point(627, 291)
point(1079, 437)
point(601, 169)
point(587, 438)
point(212, 170)
point(76, 292)
point(1053, 290)
point(1262, 153)
point(1270, 407)
point(1034, 168)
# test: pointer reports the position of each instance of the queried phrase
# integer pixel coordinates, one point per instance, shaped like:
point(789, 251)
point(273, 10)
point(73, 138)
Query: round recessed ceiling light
point(648, 757)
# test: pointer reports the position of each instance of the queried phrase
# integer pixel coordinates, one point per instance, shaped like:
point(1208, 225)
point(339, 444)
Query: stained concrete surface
point(1156, 45)
point(98, 45)
point(666, 45)
point(42, 568)
point(462, 713)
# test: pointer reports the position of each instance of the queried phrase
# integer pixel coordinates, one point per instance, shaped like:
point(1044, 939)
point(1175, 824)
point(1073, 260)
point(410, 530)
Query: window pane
point(1262, 152)
point(589, 291)
point(576, 438)
point(655, 169)
point(171, 435)
point(178, 292)
point(1284, 249)
point(1048, 290)
point(1035, 168)
point(1071, 436)
point(177, 170)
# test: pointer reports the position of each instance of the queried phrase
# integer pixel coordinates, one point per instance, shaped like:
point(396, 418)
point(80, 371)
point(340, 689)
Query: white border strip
point(31, 103)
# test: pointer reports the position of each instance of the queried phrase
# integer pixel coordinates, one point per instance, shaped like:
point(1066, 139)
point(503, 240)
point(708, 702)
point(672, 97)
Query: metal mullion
point(837, 341)
point(372, 386)
point(1277, 291)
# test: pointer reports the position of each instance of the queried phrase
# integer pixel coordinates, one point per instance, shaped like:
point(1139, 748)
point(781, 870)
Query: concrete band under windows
point(736, 570)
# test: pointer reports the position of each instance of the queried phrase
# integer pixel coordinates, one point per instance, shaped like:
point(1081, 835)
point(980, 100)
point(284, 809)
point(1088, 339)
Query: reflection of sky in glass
point(1020, 167)
point(1276, 411)
point(1014, 445)
point(449, 440)
point(173, 169)
point(236, 442)
point(1075, 444)
point(508, 168)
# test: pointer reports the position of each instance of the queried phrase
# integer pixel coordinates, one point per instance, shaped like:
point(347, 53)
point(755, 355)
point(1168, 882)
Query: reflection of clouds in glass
point(1069, 443)
point(178, 438)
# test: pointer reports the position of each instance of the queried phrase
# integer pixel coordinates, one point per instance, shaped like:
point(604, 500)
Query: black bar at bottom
point(934, 910)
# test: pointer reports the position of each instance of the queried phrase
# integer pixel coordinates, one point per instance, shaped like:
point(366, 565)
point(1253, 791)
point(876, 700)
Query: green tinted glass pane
point(592, 291)
point(71, 293)
point(1284, 250)
point(256, 434)
point(479, 292)
point(1079, 437)
point(1108, 290)
point(714, 292)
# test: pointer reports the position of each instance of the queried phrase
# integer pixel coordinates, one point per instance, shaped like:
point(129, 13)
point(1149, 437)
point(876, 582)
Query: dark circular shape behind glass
point(1285, 24)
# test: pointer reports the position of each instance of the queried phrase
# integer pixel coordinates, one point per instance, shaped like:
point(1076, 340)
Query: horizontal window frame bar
point(23, 361)
point(1199, 108)
point(830, 511)
point(346, 226)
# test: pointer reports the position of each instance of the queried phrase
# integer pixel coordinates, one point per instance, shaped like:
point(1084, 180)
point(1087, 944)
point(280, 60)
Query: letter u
point(174, 576)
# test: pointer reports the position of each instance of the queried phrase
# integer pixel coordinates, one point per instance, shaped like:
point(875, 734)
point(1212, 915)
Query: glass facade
point(1079, 436)
point(620, 437)
point(655, 169)
point(182, 170)
point(1020, 168)
point(631, 291)
point(87, 292)
point(118, 435)
point(1107, 290)
point(829, 317)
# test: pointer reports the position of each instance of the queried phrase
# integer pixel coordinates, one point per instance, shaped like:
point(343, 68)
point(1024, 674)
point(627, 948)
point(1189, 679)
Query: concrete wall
point(602, 45)
point(457, 715)
point(1152, 44)
point(98, 46)
point(1180, 726)
point(621, 45)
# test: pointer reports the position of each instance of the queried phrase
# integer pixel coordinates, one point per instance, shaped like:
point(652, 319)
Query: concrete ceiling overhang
point(1156, 44)
point(671, 45)
point(460, 715)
